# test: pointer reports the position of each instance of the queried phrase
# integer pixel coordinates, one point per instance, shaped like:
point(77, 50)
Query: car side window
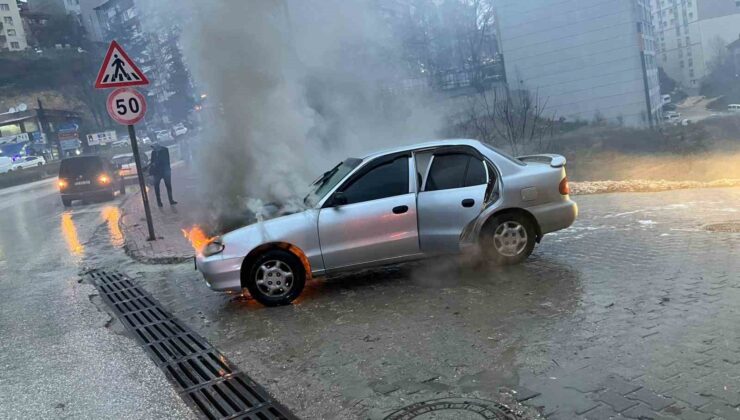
point(455, 171)
point(387, 180)
point(476, 174)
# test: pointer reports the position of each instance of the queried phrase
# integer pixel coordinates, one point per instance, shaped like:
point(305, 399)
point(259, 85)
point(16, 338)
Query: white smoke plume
point(293, 87)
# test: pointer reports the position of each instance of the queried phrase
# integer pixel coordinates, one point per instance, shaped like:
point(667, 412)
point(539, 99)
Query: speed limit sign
point(127, 106)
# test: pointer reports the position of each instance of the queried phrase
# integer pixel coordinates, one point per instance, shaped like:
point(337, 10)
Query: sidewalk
point(171, 247)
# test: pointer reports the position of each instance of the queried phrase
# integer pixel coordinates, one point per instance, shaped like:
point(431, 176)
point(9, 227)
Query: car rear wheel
point(508, 239)
point(66, 202)
point(276, 278)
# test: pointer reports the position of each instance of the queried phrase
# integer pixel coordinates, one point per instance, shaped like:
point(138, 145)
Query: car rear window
point(81, 166)
point(505, 155)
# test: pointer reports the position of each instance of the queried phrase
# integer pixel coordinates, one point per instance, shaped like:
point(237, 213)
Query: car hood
point(298, 228)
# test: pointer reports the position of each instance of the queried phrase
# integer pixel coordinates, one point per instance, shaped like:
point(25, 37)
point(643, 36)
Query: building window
point(8, 20)
point(680, 63)
point(11, 32)
point(665, 57)
point(737, 3)
point(4, 7)
point(15, 45)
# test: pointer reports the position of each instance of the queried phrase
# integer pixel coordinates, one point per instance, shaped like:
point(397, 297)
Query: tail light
point(564, 188)
point(62, 184)
point(104, 179)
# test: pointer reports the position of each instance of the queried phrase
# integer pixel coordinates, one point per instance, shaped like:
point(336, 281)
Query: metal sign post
point(142, 184)
point(127, 107)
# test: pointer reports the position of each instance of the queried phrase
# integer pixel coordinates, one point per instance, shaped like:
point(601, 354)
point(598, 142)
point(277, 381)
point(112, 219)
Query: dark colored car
point(86, 178)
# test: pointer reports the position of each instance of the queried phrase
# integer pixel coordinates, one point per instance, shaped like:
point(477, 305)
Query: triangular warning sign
point(118, 70)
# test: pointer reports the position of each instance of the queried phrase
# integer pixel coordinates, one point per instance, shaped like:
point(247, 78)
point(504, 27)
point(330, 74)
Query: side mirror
point(339, 199)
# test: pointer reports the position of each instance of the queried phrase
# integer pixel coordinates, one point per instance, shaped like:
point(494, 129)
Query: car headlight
point(214, 247)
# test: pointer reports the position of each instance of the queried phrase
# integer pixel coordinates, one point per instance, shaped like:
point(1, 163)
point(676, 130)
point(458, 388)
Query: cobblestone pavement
point(631, 313)
point(170, 246)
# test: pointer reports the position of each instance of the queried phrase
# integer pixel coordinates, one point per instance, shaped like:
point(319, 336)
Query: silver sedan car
point(413, 202)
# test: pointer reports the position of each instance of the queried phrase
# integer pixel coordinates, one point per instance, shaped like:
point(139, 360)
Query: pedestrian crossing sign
point(118, 70)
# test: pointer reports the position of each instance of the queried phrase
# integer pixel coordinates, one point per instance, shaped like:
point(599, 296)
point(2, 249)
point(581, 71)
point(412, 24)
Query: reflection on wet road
point(636, 295)
point(70, 235)
point(54, 341)
point(112, 216)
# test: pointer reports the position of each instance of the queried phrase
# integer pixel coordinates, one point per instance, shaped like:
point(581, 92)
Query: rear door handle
point(400, 209)
point(468, 202)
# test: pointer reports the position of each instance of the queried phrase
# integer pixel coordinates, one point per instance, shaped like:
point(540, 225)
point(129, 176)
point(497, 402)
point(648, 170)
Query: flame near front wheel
point(197, 237)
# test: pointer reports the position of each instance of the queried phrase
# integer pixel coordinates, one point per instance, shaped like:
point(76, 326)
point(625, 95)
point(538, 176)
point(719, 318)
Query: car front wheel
point(276, 278)
point(508, 239)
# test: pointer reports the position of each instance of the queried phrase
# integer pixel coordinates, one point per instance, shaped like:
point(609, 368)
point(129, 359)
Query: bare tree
point(718, 53)
point(514, 119)
point(440, 36)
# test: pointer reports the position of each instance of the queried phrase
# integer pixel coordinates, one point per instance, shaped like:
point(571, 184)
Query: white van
point(733, 107)
point(6, 164)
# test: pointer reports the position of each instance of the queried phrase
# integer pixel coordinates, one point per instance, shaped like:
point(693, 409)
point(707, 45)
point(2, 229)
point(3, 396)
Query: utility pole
point(50, 138)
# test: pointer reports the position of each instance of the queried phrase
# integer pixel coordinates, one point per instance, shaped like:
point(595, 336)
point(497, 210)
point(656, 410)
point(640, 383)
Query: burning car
point(399, 205)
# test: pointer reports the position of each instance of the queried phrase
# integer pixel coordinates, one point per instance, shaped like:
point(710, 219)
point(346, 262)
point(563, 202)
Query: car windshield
point(123, 160)
point(329, 180)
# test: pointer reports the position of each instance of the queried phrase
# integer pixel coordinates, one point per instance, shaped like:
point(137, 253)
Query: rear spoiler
point(556, 161)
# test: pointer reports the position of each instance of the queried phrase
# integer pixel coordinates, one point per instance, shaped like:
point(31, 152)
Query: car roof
point(84, 157)
point(123, 155)
point(425, 145)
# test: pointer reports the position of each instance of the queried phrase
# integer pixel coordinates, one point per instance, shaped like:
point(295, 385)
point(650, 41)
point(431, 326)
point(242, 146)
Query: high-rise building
point(69, 7)
point(691, 33)
point(12, 33)
point(585, 59)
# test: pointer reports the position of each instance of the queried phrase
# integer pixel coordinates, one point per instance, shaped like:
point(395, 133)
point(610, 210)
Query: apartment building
point(12, 34)
point(55, 7)
point(586, 59)
point(690, 34)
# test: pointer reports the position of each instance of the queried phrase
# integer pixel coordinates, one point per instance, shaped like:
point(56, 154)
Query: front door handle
point(468, 202)
point(400, 209)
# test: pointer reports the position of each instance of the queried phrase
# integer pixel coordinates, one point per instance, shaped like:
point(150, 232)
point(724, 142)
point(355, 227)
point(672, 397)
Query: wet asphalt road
point(58, 356)
point(631, 312)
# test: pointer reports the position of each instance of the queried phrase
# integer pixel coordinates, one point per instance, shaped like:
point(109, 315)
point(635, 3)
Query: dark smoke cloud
point(293, 87)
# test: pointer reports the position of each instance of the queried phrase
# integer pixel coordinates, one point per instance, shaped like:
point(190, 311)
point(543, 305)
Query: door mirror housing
point(339, 199)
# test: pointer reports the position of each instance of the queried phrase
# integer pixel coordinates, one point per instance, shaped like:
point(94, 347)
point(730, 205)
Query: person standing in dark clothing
point(160, 169)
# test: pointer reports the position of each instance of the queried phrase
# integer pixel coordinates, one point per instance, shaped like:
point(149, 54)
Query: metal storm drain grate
point(202, 375)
